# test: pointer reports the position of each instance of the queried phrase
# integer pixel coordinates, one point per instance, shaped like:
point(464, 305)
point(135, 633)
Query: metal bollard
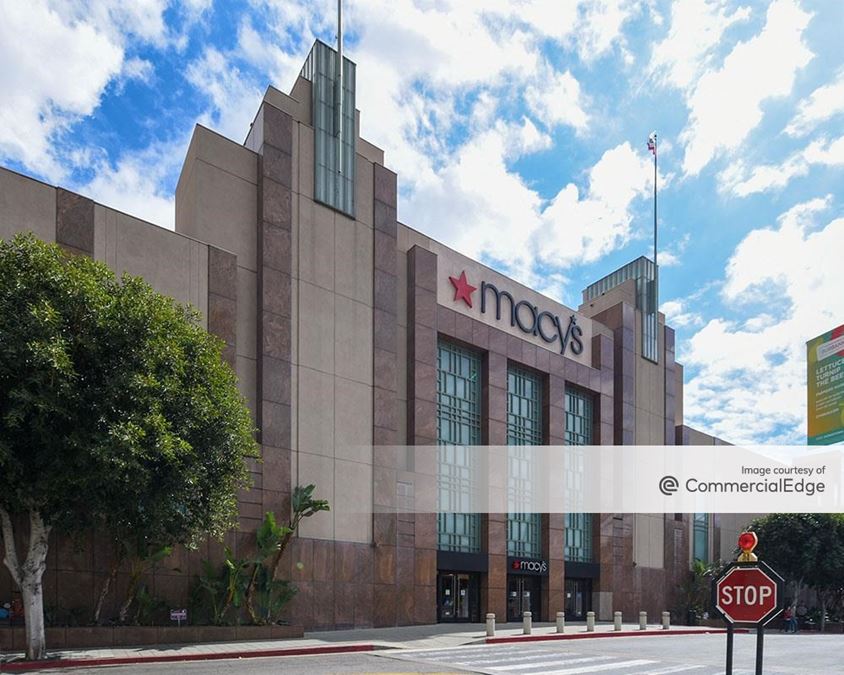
point(666, 620)
point(561, 622)
point(616, 619)
point(590, 621)
point(490, 625)
point(643, 620)
point(527, 622)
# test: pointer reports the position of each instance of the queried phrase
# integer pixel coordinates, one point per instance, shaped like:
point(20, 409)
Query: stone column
point(275, 224)
point(75, 222)
point(422, 416)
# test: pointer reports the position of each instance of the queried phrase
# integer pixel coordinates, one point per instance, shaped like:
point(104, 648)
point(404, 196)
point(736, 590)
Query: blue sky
point(518, 131)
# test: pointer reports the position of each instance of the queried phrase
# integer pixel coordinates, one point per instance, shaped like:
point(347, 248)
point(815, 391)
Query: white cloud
point(556, 98)
point(584, 227)
point(44, 88)
point(58, 58)
point(600, 27)
point(234, 97)
point(726, 104)
point(743, 180)
point(697, 27)
point(750, 381)
point(138, 69)
point(139, 183)
point(678, 315)
point(118, 18)
point(822, 104)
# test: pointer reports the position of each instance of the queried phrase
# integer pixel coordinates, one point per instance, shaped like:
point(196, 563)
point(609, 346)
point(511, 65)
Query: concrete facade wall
point(26, 205)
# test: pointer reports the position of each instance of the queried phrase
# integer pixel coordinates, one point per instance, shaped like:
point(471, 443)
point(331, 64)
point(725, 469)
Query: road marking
point(555, 662)
point(665, 671)
point(603, 666)
point(520, 657)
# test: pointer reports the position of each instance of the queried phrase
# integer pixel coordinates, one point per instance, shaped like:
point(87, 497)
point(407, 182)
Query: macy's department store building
point(350, 332)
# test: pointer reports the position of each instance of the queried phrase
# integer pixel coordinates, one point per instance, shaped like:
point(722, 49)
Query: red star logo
point(462, 288)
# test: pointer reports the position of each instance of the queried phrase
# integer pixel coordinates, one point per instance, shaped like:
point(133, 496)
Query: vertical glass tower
point(334, 128)
point(643, 272)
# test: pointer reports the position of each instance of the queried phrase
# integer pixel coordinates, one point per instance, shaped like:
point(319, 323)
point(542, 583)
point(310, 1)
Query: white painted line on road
point(665, 671)
point(523, 657)
point(463, 650)
point(604, 666)
point(556, 662)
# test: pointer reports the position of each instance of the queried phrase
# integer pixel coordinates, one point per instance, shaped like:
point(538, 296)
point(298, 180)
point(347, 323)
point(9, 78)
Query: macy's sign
point(527, 316)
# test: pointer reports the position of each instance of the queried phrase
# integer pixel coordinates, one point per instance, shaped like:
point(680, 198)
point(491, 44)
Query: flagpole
point(656, 268)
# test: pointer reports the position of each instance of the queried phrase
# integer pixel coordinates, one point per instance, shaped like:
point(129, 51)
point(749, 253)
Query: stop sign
point(748, 593)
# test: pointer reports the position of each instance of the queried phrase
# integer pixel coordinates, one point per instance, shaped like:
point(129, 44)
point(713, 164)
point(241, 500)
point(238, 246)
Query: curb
point(166, 658)
point(589, 636)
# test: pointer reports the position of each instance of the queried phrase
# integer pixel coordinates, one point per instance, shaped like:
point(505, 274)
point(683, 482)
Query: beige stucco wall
point(171, 263)
point(331, 305)
point(26, 205)
point(217, 202)
point(649, 539)
point(332, 357)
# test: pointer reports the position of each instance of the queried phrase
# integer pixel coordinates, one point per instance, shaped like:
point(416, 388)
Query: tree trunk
point(134, 580)
point(104, 592)
point(33, 606)
point(822, 598)
point(28, 578)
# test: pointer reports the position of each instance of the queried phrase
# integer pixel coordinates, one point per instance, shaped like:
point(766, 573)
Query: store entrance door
point(523, 593)
point(578, 598)
point(458, 597)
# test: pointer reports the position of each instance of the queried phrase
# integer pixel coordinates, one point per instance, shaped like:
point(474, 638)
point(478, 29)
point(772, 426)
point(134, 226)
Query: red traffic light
point(747, 541)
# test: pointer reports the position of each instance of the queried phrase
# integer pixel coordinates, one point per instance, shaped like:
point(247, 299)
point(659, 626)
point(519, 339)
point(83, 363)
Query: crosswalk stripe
point(462, 650)
point(556, 662)
point(597, 668)
point(520, 657)
point(665, 671)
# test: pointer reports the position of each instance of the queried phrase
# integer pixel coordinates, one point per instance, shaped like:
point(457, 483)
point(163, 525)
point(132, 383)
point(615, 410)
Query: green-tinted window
point(701, 537)
point(524, 427)
point(334, 153)
point(579, 424)
point(458, 425)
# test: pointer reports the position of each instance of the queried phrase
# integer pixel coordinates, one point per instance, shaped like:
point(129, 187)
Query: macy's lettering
point(530, 566)
point(530, 320)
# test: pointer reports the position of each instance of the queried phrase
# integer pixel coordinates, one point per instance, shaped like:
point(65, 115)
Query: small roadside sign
point(179, 615)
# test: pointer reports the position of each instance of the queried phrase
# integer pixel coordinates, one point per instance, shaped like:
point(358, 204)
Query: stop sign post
point(748, 593)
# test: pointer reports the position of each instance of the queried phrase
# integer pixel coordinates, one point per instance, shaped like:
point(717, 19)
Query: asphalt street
point(802, 654)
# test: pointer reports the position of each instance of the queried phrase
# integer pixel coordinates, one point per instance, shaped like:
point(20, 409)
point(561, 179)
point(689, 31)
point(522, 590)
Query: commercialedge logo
point(539, 566)
point(527, 316)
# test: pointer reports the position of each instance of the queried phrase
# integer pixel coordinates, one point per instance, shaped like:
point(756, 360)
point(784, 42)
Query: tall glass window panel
point(458, 425)
point(579, 425)
point(334, 153)
point(700, 537)
point(524, 428)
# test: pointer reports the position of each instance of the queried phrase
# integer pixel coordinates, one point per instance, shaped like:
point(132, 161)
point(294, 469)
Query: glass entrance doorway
point(522, 596)
point(578, 598)
point(458, 596)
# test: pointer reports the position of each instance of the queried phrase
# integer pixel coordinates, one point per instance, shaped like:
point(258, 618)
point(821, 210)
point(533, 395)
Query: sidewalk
point(435, 636)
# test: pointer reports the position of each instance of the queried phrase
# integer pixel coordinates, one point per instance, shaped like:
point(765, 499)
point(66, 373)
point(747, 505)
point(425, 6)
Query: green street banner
point(825, 356)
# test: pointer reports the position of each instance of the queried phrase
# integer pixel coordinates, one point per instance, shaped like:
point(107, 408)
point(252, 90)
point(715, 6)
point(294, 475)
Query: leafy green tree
point(807, 549)
point(116, 411)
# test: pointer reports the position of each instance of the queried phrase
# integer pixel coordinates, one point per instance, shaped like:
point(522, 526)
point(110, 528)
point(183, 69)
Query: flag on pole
point(652, 143)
